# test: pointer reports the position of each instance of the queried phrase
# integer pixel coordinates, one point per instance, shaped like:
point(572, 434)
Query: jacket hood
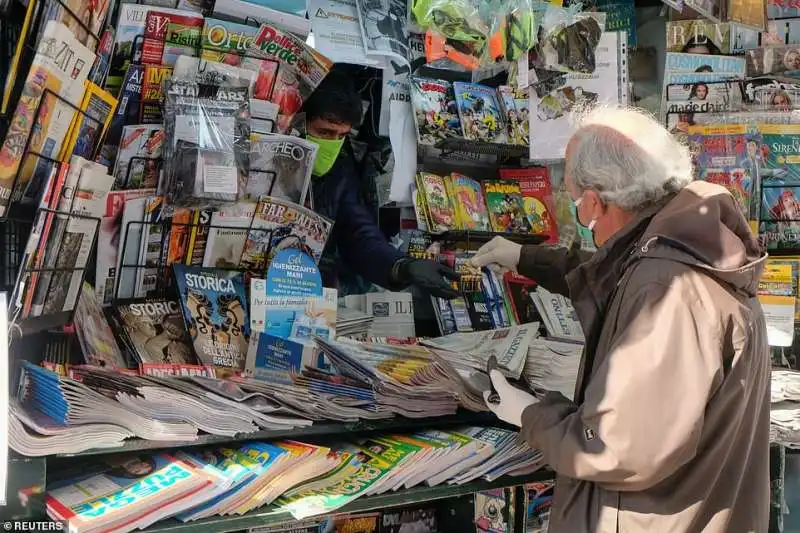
point(703, 226)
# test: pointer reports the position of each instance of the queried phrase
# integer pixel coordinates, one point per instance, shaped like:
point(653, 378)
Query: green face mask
point(327, 152)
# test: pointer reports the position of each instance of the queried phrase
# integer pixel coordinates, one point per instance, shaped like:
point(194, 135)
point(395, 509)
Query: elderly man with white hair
point(669, 428)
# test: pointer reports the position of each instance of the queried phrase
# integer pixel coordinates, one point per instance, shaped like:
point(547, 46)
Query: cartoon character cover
point(469, 204)
point(434, 110)
point(480, 113)
point(505, 206)
point(537, 198)
point(215, 313)
point(441, 216)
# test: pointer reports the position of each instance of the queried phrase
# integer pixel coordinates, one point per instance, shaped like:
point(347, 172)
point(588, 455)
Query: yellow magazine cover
point(439, 209)
point(88, 130)
point(14, 66)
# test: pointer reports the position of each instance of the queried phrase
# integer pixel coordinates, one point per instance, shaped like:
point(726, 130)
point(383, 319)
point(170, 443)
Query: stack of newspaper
point(552, 365)
point(129, 492)
point(785, 408)
point(352, 322)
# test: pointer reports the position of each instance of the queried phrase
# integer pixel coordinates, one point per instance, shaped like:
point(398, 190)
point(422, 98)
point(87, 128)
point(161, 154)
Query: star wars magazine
point(215, 313)
point(280, 166)
point(480, 112)
point(435, 110)
point(156, 332)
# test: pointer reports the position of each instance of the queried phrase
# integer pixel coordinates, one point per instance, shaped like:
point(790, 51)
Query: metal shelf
point(486, 236)
point(270, 516)
point(393, 425)
point(448, 146)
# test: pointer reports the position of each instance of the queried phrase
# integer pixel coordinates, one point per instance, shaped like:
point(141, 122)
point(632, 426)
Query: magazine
point(215, 313)
point(416, 520)
point(701, 103)
point(228, 234)
point(104, 51)
point(93, 17)
point(138, 163)
point(699, 34)
point(537, 199)
point(439, 208)
point(728, 155)
point(384, 29)
point(783, 60)
point(780, 187)
point(214, 73)
point(771, 93)
point(109, 241)
point(88, 129)
point(170, 36)
point(506, 207)
point(152, 103)
point(280, 166)
point(697, 68)
point(435, 110)
point(516, 113)
point(156, 331)
point(480, 113)
point(467, 197)
point(518, 290)
point(301, 69)
point(130, 99)
point(61, 66)
point(198, 237)
point(278, 225)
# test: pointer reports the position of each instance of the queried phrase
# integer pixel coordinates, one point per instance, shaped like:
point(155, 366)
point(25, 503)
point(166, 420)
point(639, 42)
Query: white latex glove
point(513, 401)
point(498, 251)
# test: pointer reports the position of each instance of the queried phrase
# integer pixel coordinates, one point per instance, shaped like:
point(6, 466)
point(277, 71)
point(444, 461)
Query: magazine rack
point(16, 193)
point(159, 268)
point(45, 8)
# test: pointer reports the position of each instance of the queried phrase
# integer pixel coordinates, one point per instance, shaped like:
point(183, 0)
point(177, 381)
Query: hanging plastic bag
point(567, 40)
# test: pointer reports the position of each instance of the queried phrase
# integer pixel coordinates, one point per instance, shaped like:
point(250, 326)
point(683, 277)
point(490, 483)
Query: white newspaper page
point(393, 314)
point(383, 28)
point(337, 32)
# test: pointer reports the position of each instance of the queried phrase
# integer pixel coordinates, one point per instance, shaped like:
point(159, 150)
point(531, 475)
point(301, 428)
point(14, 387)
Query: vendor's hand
point(498, 251)
point(513, 401)
point(430, 277)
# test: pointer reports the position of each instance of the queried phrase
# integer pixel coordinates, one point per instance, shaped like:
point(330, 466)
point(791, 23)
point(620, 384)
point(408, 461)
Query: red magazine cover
point(519, 289)
point(537, 194)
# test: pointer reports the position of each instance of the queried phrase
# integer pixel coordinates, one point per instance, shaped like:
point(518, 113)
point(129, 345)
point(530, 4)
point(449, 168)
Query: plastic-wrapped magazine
point(215, 312)
point(435, 110)
point(206, 165)
point(156, 331)
point(779, 219)
point(280, 166)
point(728, 155)
point(139, 160)
point(480, 113)
point(213, 73)
point(61, 65)
point(280, 224)
point(781, 60)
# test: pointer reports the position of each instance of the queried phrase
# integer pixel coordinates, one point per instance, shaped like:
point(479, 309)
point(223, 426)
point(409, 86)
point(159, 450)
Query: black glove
point(428, 276)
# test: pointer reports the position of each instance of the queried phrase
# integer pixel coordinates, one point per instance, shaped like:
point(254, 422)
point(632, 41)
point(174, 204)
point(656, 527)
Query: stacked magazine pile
point(304, 479)
point(352, 323)
point(785, 408)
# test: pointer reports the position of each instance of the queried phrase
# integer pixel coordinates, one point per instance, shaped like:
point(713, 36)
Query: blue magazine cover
point(480, 112)
point(215, 312)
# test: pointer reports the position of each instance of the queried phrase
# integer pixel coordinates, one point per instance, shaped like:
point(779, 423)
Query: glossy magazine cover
point(480, 112)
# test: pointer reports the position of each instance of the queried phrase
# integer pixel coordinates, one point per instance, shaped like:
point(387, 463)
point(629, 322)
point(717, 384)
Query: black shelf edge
point(486, 236)
point(482, 148)
point(270, 516)
point(393, 425)
point(38, 324)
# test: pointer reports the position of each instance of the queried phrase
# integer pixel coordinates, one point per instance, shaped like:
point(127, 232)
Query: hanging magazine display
point(280, 166)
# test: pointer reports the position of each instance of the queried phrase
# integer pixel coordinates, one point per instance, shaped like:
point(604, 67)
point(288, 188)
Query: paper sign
point(293, 273)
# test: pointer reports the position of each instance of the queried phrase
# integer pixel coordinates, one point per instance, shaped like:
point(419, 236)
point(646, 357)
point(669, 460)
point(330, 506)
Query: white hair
point(627, 157)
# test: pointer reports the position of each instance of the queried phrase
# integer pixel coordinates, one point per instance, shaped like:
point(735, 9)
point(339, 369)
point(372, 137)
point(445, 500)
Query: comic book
point(435, 110)
point(518, 290)
point(155, 330)
point(108, 241)
point(129, 41)
point(479, 112)
point(130, 98)
point(779, 169)
point(152, 104)
point(169, 36)
point(467, 197)
point(280, 166)
point(138, 164)
point(278, 225)
point(301, 69)
point(418, 520)
point(537, 198)
point(215, 313)
point(516, 111)
point(506, 207)
point(728, 155)
point(538, 499)
point(88, 129)
point(61, 65)
point(438, 204)
point(354, 523)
